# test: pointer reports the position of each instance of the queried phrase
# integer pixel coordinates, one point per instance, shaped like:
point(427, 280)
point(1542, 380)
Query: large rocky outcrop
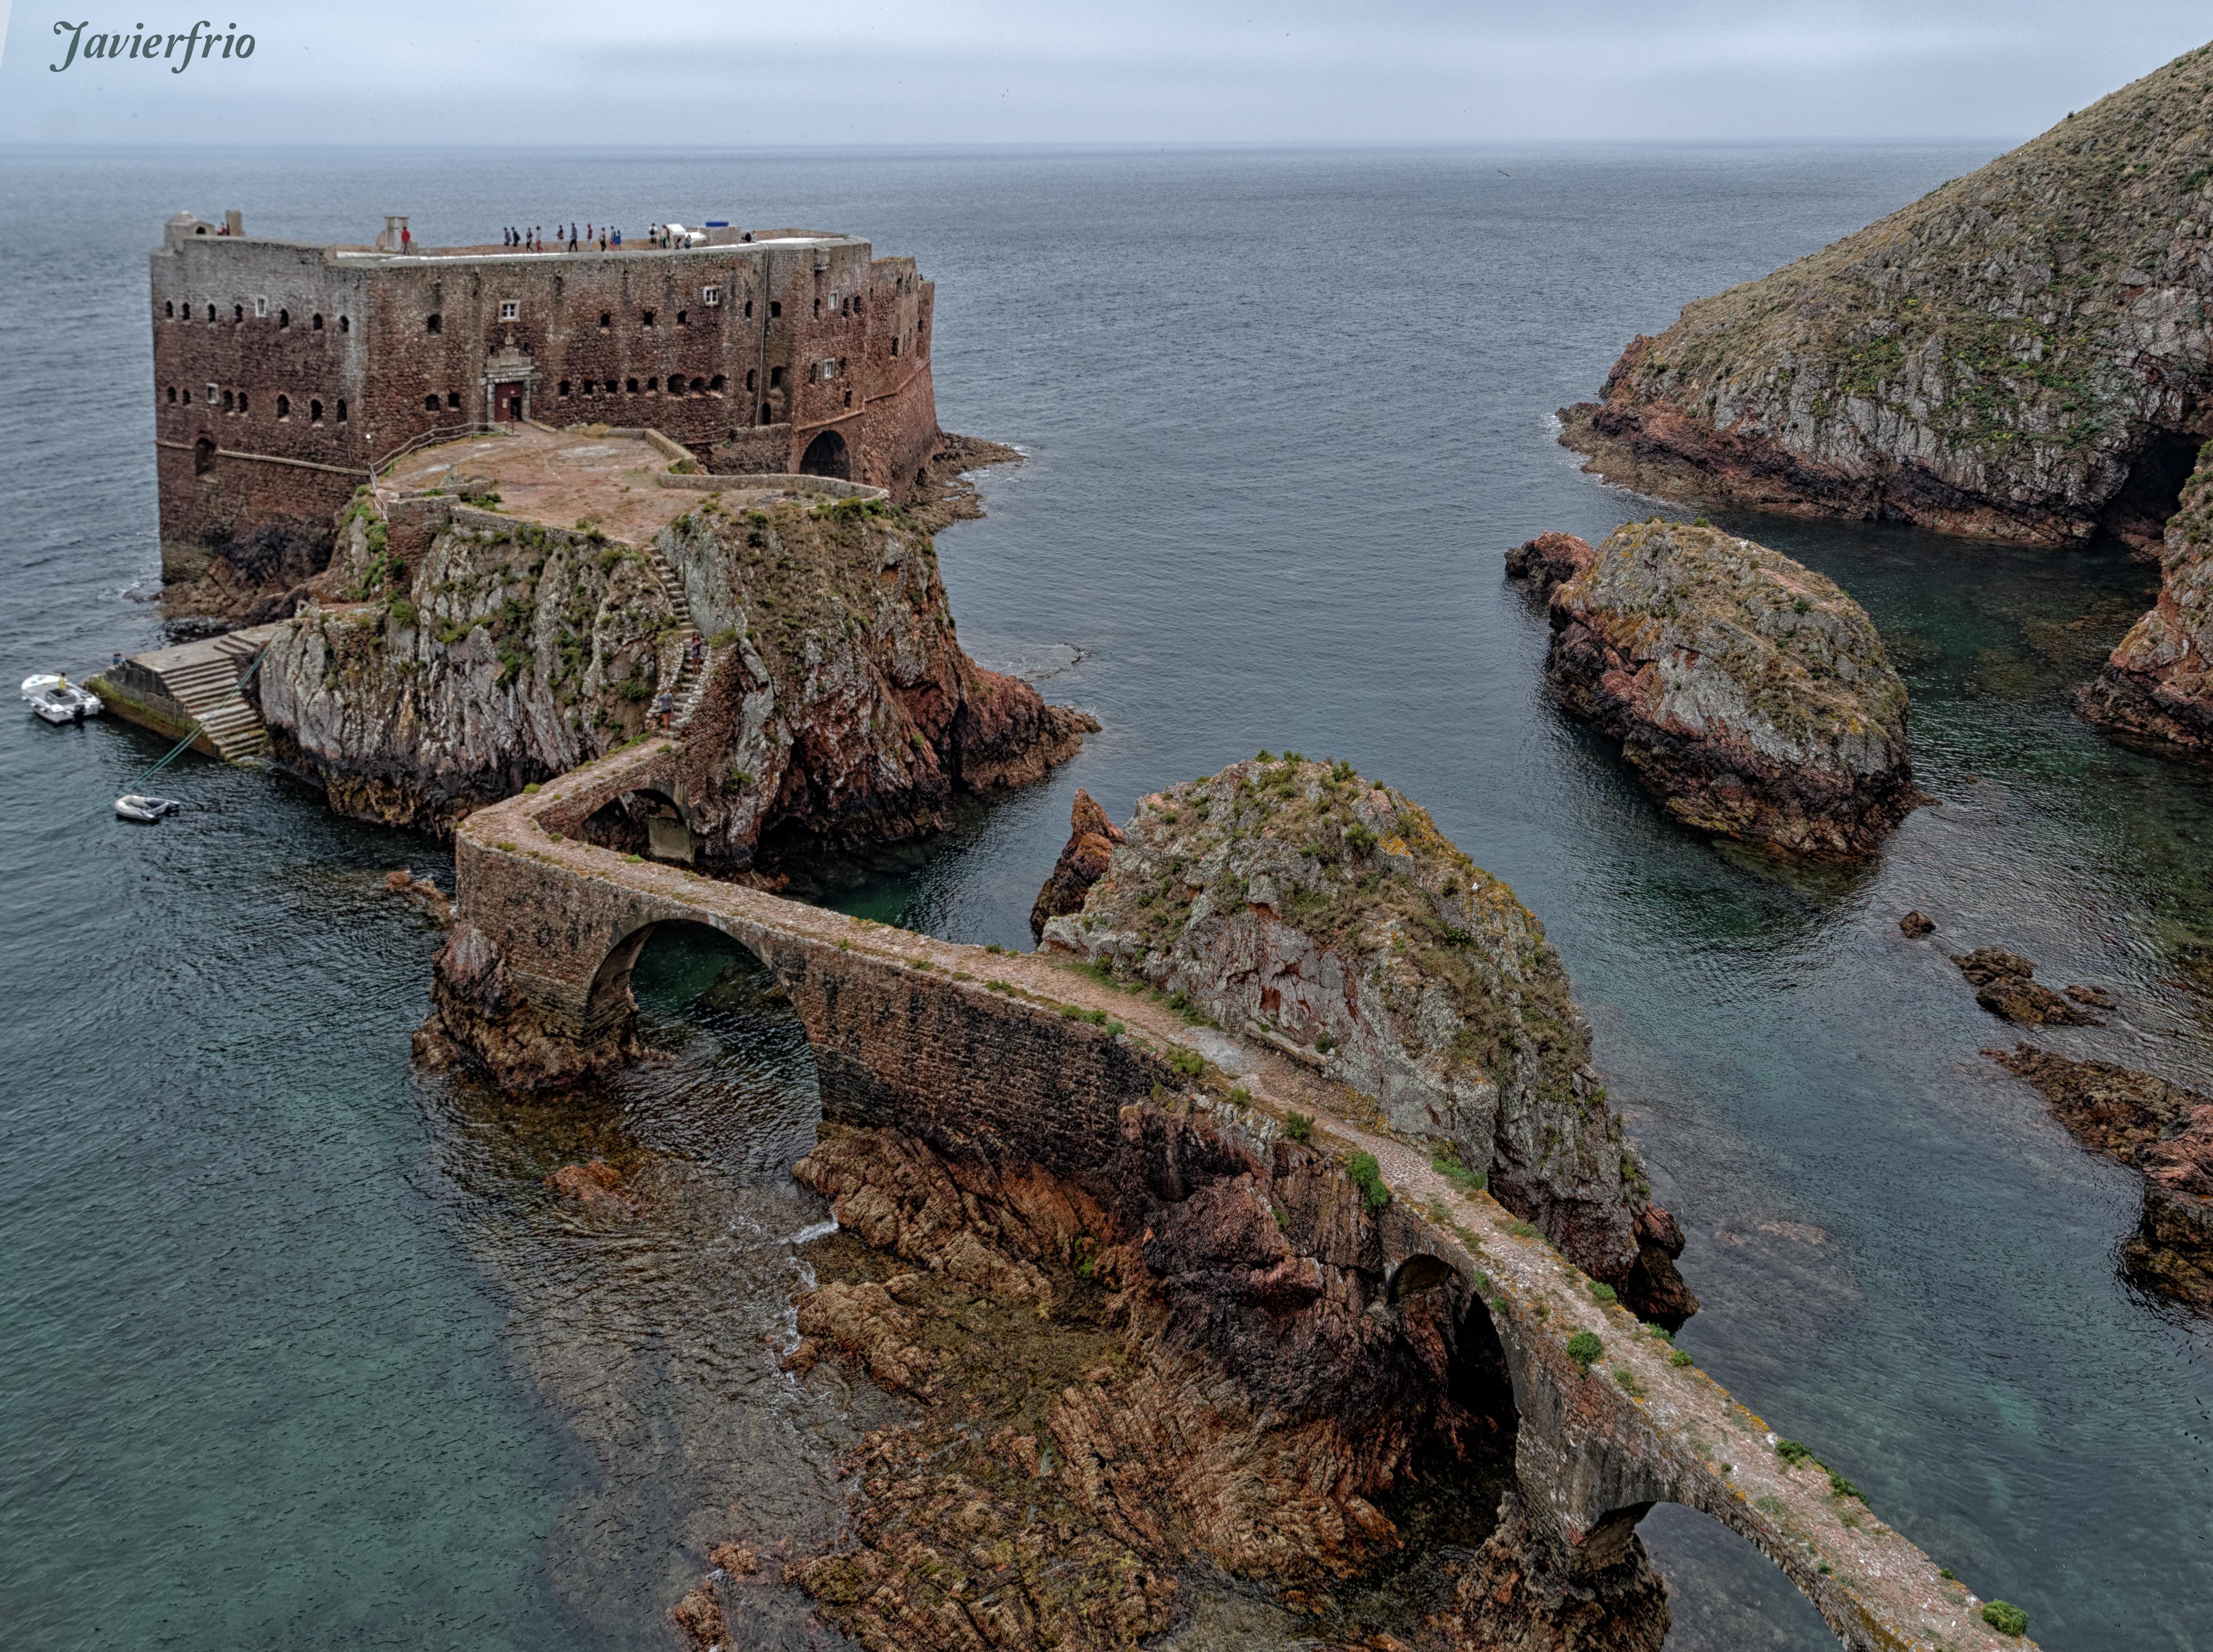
point(481, 653)
point(1751, 694)
point(2158, 684)
point(2166, 1132)
point(1297, 901)
point(2023, 353)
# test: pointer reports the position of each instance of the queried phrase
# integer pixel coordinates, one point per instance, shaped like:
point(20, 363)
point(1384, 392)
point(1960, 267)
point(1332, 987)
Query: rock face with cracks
point(2158, 684)
point(2020, 354)
point(1751, 695)
point(1091, 840)
point(479, 653)
point(1297, 901)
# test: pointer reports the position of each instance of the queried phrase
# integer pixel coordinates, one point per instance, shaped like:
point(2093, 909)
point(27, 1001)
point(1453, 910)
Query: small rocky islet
point(1749, 693)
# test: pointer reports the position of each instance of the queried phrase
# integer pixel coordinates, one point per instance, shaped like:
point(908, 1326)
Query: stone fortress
point(286, 372)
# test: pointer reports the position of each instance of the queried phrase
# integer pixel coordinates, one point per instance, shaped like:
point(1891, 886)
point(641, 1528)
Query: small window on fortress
point(210, 312)
point(510, 309)
point(699, 385)
point(775, 377)
point(345, 325)
point(632, 385)
point(818, 307)
point(675, 385)
point(169, 309)
point(710, 296)
point(314, 412)
point(284, 318)
point(749, 308)
point(226, 401)
point(260, 308)
point(564, 386)
point(429, 404)
point(173, 395)
point(767, 416)
point(655, 383)
point(751, 379)
point(315, 325)
point(432, 322)
point(849, 398)
point(648, 318)
point(591, 386)
point(606, 321)
point(896, 345)
point(682, 316)
point(454, 399)
point(283, 407)
point(242, 401)
point(341, 409)
point(213, 390)
point(238, 312)
point(774, 309)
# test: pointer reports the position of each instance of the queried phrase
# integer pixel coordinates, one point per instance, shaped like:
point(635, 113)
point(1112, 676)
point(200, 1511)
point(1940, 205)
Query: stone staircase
point(207, 688)
point(690, 684)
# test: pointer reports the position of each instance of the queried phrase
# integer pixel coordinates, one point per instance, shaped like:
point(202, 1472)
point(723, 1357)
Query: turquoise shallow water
point(294, 1344)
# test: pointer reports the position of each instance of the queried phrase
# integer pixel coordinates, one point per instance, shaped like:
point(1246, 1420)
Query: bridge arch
point(609, 1002)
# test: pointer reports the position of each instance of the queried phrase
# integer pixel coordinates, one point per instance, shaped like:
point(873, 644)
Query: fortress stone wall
point(284, 370)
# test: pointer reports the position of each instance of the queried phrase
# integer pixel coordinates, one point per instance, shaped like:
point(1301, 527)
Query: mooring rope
point(238, 691)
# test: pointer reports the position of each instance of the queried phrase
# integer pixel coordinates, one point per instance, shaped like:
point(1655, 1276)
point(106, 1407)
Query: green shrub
point(996, 946)
point(1945, 1572)
point(998, 986)
point(1584, 1348)
point(1446, 1162)
point(1368, 1176)
point(1601, 1292)
point(1794, 1453)
point(1360, 839)
point(2005, 1617)
point(1325, 1044)
point(1299, 1126)
point(1681, 1360)
point(1840, 1486)
point(1189, 1063)
point(635, 860)
point(1525, 1230)
point(1627, 1378)
point(402, 611)
point(1068, 1012)
point(1113, 1028)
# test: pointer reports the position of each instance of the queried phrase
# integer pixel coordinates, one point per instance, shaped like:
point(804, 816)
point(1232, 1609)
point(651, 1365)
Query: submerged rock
point(2005, 985)
point(2017, 355)
point(598, 1186)
point(1752, 695)
point(1091, 840)
point(2162, 1129)
point(2158, 683)
point(1916, 923)
point(1298, 902)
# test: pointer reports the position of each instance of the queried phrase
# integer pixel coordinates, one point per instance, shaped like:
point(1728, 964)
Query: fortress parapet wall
point(284, 370)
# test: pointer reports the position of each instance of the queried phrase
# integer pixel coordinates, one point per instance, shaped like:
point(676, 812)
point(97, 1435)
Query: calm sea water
point(294, 1345)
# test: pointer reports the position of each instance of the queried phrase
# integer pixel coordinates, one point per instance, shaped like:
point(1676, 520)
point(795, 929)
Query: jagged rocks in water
point(1752, 695)
point(1522, 1595)
point(597, 1186)
point(1091, 840)
point(837, 709)
point(2017, 355)
point(2005, 984)
point(2164, 1130)
point(1916, 923)
point(1548, 560)
point(1299, 901)
point(2157, 685)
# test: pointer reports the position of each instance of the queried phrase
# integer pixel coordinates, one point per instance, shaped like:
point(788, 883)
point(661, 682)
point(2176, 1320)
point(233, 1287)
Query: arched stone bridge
point(971, 1050)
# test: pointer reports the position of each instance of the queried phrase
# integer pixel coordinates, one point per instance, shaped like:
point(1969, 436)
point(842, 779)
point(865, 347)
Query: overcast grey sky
point(960, 71)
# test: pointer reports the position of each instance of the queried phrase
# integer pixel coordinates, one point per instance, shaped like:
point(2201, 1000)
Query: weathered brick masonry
point(970, 1051)
point(284, 370)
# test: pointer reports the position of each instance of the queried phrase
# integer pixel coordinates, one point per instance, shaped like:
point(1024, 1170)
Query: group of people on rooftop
point(607, 238)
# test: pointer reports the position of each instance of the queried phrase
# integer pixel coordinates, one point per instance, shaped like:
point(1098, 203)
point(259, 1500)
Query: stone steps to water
point(202, 679)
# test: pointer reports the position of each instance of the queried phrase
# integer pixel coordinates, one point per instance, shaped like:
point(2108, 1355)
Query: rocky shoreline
point(1749, 693)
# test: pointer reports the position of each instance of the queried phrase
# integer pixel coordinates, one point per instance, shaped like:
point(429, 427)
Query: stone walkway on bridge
point(1600, 1441)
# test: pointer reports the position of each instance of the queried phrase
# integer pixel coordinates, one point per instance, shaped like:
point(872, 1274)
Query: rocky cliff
point(479, 653)
point(1751, 694)
point(1298, 901)
point(2158, 684)
point(2023, 353)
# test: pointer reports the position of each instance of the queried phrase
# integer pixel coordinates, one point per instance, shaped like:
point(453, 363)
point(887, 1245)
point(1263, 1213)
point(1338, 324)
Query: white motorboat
point(58, 700)
point(131, 806)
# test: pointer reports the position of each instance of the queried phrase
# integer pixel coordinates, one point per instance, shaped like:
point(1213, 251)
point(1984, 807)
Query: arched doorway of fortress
point(827, 455)
point(646, 823)
point(742, 1048)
